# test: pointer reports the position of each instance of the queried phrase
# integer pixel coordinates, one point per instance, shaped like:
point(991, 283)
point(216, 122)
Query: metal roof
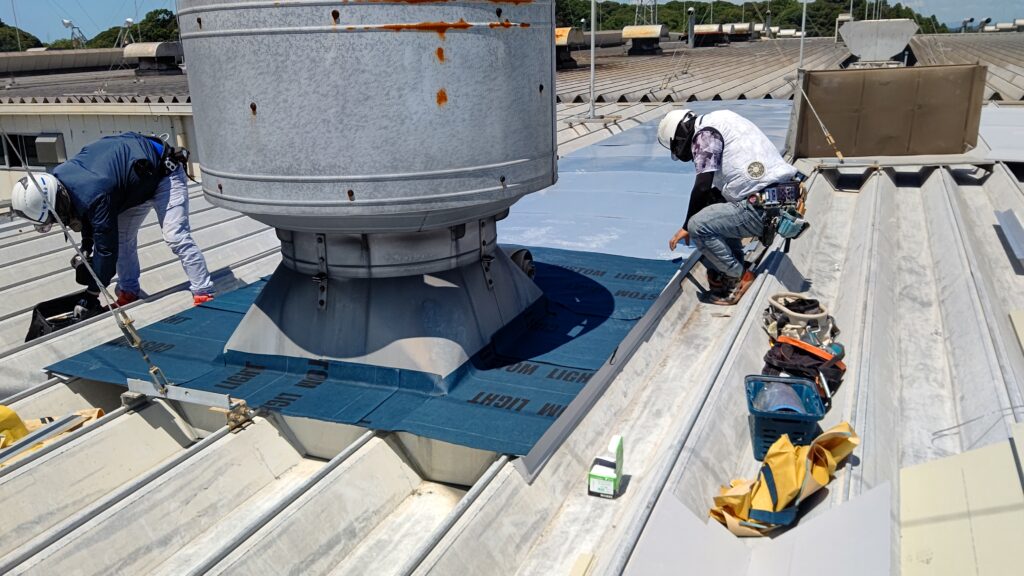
point(1002, 53)
point(116, 86)
point(744, 70)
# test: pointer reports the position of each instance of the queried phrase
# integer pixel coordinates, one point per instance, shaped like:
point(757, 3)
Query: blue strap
point(158, 146)
point(783, 517)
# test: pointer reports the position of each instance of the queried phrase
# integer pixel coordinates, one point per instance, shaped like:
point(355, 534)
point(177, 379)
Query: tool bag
point(824, 367)
point(56, 314)
point(792, 315)
point(789, 476)
point(784, 206)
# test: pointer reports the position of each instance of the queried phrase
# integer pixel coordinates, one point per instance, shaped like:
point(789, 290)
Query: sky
point(42, 17)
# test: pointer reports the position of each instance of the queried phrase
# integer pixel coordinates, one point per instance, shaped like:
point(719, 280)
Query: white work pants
point(171, 205)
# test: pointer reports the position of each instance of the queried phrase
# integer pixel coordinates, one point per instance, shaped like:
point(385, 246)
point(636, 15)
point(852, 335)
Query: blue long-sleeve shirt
point(106, 178)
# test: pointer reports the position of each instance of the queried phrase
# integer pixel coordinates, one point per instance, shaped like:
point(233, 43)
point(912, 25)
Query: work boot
point(125, 298)
point(737, 287)
point(717, 282)
point(198, 299)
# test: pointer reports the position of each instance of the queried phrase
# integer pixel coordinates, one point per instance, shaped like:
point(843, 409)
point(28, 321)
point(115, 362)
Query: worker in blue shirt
point(105, 192)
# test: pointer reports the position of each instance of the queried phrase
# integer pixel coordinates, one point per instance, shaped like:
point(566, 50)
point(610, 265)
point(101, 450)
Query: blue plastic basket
point(767, 427)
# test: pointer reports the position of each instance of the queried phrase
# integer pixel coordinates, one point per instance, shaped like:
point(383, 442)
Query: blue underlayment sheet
point(625, 195)
point(502, 400)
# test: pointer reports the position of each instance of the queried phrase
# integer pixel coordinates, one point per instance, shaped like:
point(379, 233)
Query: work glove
point(82, 275)
point(87, 305)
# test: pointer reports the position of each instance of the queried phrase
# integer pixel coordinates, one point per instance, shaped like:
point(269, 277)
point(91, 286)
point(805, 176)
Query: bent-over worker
point(739, 174)
point(105, 192)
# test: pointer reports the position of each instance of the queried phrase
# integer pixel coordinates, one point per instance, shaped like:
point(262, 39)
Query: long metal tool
point(124, 322)
point(828, 135)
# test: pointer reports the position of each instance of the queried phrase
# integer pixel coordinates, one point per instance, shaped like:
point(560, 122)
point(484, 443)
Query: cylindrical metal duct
point(366, 116)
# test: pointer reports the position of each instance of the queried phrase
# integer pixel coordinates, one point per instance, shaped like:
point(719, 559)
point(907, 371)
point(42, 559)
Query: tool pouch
point(790, 225)
point(768, 226)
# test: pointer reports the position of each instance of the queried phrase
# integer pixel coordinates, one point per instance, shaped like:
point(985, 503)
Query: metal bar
point(660, 478)
point(532, 464)
point(181, 394)
point(48, 538)
point(19, 396)
point(152, 298)
point(442, 530)
point(41, 435)
point(803, 34)
point(107, 418)
point(1013, 232)
point(254, 526)
point(593, 55)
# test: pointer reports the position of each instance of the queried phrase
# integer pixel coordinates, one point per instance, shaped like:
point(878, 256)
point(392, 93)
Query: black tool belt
point(775, 195)
point(171, 159)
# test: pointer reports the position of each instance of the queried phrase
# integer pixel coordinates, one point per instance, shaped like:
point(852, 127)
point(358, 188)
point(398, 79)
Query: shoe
point(198, 299)
point(737, 288)
point(716, 281)
point(125, 298)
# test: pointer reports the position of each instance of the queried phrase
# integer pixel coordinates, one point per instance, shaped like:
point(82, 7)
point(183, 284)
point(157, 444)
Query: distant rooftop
point(742, 70)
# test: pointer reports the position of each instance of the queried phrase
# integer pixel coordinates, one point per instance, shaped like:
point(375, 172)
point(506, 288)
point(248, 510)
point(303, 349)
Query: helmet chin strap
point(124, 322)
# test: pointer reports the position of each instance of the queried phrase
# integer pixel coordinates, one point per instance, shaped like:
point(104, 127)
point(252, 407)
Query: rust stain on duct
point(440, 54)
point(507, 24)
point(442, 97)
point(439, 27)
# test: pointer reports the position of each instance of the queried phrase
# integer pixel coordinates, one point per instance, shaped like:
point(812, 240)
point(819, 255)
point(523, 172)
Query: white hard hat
point(668, 125)
point(35, 203)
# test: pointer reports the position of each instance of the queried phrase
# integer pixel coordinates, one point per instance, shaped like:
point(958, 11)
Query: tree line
point(158, 26)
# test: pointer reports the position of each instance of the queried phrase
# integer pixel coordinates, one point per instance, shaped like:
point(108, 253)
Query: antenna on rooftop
point(124, 36)
point(646, 12)
point(78, 39)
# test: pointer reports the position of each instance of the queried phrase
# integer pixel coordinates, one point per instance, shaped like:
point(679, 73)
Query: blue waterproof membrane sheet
point(625, 195)
point(502, 400)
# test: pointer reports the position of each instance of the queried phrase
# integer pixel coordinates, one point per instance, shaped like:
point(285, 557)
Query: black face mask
point(682, 142)
point(65, 210)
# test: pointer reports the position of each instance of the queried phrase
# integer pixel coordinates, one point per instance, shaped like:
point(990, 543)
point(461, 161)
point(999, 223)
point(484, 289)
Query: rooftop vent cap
point(155, 57)
point(877, 40)
point(568, 36)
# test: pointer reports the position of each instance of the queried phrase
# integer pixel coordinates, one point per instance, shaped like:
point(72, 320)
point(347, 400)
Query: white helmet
point(668, 125)
point(35, 203)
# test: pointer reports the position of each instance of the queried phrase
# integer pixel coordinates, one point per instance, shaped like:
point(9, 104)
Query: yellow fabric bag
point(789, 475)
point(12, 428)
point(89, 416)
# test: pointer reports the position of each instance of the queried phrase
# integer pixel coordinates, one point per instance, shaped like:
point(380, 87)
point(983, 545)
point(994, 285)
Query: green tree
point(105, 39)
point(9, 36)
point(158, 26)
point(62, 44)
